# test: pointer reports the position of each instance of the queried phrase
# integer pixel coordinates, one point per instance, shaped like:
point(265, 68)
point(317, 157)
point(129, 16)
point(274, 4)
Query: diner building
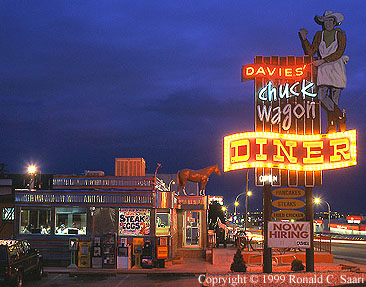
point(138, 213)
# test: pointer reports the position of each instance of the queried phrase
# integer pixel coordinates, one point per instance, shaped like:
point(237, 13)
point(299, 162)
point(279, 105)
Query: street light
point(247, 193)
point(32, 170)
point(317, 200)
point(170, 183)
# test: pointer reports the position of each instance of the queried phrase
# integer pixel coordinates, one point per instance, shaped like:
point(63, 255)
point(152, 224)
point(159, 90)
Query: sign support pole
point(267, 215)
point(309, 215)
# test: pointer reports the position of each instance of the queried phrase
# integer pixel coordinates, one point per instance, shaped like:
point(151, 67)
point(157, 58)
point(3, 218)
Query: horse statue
point(200, 176)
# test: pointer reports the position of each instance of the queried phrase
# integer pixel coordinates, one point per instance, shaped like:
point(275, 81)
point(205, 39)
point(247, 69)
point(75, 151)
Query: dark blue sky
point(83, 82)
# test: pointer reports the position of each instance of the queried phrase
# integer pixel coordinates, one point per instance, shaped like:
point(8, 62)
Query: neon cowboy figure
point(330, 44)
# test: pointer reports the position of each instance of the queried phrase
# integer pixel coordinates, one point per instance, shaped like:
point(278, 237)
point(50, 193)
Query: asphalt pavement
point(120, 280)
point(355, 253)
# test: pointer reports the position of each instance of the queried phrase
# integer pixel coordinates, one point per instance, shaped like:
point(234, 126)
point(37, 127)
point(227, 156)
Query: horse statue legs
point(181, 185)
point(203, 187)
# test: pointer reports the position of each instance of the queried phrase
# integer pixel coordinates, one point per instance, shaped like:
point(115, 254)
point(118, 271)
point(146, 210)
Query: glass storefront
point(35, 221)
point(70, 220)
point(192, 228)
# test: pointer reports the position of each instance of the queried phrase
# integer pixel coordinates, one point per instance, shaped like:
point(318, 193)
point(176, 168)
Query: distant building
point(130, 167)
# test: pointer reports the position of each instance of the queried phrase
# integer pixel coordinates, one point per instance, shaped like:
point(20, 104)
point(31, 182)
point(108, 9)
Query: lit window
point(70, 220)
point(162, 224)
point(35, 221)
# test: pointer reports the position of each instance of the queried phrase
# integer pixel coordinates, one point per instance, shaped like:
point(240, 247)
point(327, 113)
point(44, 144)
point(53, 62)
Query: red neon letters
point(251, 71)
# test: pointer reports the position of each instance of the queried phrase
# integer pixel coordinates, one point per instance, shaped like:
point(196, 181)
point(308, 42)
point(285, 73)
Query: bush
point(296, 265)
point(238, 264)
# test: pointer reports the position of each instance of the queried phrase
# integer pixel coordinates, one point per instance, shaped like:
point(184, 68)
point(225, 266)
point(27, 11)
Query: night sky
point(83, 82)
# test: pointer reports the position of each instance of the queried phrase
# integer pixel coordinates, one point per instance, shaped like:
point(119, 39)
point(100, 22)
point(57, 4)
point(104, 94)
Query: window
point(70, 220)
point(35, 221)
point(192, 228)
point(162, 224)
point(8, 214)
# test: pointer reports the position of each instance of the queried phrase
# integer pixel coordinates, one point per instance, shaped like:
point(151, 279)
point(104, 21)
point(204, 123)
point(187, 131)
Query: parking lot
point(130, 280)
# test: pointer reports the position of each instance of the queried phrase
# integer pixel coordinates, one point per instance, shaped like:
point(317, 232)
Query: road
point(121, 280)
point(352, 252)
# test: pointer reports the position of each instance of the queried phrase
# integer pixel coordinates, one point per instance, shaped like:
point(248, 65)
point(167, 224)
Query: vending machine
point(146, 257)
point(124, 257)
point(84, 253)
point(138, 244)
point(97, 253)
point(109, 250)
point(162, 251)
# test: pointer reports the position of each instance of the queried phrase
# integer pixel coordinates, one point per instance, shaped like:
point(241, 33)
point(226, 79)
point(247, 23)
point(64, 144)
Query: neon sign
point(290, 151)
point(271, 93)
point(252, 71)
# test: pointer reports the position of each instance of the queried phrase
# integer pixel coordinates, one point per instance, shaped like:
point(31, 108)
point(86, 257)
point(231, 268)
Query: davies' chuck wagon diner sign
point(287, 146)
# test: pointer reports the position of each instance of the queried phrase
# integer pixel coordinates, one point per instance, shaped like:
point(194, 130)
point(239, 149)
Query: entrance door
point(192, 229)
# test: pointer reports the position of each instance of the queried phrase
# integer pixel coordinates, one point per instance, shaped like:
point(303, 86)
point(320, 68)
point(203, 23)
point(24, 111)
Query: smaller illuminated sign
point(252, 71)
point(288, 214)
point(101, 182)
point(287, 203)
point(289, 234)
point(290, 151)
point(272, 179)
point(134, 222)
point(288, 192)
point(80, 198)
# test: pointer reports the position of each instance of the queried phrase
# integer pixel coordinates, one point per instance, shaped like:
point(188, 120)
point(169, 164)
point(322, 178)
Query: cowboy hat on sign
point(329, 14)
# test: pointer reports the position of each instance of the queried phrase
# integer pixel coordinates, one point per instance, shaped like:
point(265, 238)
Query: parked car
point(18, 260)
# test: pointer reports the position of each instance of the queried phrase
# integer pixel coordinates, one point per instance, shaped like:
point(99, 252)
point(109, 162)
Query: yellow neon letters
point(236, 145)
point(290, 151)
point(310, 152)
point(341, 147)
point(261, 143)
point(289, 155)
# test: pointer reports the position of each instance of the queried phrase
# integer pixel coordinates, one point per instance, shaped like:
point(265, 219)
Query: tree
point(215, 211)
point(238, 264)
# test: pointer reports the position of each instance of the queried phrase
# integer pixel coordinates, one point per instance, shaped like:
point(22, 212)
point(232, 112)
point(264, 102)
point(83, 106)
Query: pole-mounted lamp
point(32, 170)
point(317, 200)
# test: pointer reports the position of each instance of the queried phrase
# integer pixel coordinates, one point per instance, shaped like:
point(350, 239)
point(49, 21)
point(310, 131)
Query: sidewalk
point(195, 267)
